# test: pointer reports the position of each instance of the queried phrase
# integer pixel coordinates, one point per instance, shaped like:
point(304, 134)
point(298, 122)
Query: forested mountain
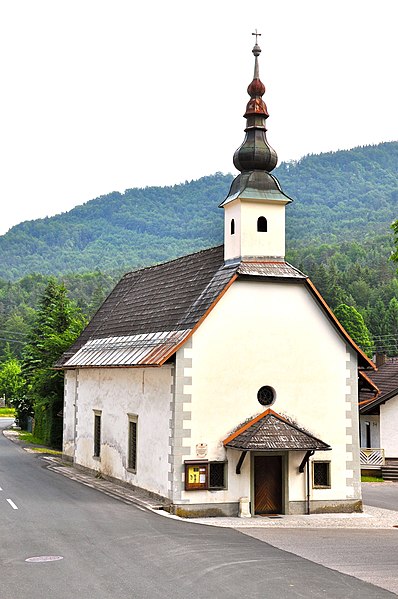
point(338, 232)
point(119, 231)
point(339, 196)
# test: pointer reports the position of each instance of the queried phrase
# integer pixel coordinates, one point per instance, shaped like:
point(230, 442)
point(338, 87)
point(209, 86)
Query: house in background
point(378, 408)
point(222, 377)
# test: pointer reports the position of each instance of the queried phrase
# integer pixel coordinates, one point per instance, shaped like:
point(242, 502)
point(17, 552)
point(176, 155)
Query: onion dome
point(255, 153)
point(255, 159)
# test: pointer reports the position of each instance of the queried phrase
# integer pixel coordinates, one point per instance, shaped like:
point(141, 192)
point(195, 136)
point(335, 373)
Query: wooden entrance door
point(267, 484)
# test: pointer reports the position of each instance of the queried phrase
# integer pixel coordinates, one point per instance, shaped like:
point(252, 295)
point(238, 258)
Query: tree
point(394, 255)
point(57, 324)
point(378, 323)
point(355, 326)
point(11, 380)
point(392, 323)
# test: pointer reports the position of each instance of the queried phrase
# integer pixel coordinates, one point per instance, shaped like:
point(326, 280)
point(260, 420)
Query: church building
point(221, 381)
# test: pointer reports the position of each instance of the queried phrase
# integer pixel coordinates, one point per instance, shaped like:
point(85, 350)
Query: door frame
point(284, 482)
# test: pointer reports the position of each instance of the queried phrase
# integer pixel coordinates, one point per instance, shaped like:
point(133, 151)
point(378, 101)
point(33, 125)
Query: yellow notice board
point(196, 475)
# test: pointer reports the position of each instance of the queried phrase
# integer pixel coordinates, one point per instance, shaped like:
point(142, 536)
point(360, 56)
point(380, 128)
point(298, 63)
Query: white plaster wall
point(389, 427)
point(70, 387)
point(271, 243)
point(247, 241)
point(270, 334)
point(232, 242)
point(118, 392)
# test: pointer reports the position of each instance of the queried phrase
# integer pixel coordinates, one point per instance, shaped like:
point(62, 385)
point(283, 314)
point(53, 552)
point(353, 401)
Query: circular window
point(266, 396)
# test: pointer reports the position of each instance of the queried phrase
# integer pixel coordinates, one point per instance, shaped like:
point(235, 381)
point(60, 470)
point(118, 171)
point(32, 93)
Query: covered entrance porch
point(269, 440)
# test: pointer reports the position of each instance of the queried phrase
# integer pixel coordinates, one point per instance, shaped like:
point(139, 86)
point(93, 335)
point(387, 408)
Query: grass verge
point(30, 438)
point(7, 413)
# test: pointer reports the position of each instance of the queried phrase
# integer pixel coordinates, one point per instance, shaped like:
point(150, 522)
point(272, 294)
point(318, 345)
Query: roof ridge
point(159, 264)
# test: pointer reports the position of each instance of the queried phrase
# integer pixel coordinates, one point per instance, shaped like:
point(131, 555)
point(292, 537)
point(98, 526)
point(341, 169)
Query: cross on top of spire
point(256, 34)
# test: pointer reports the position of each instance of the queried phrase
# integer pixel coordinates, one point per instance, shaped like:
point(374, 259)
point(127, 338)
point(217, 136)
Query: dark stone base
point(342, 506)
point(205, 510)
point(67, 459)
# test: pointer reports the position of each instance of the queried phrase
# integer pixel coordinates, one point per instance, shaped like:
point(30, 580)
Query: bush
point(48, 421)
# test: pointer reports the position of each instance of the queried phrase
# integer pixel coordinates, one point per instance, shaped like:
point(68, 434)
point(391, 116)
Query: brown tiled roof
point(151, 312)
point(169, 297)
point(386, 379)
point(270, 432)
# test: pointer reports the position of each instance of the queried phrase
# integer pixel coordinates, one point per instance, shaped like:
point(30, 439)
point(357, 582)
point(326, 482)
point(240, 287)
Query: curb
point(370, 518)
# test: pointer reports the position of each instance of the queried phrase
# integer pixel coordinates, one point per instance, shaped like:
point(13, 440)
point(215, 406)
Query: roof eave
point(363, 358)
point(375, 402)
point(270, 412)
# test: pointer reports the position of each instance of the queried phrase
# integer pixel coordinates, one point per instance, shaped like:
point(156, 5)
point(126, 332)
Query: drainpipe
point(308, 488)
point(306, 462)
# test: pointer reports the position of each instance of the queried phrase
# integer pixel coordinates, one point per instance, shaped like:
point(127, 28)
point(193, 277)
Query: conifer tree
point(355, 326)
point(57, 324)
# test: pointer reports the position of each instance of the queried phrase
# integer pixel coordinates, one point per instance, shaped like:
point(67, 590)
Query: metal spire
point(255, 153)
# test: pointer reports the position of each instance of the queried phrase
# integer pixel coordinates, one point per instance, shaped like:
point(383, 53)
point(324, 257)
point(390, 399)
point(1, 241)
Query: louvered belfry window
point(132, 450)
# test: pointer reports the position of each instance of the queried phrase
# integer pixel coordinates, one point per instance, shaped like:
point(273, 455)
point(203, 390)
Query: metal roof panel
point(277, 269)
point(128, 350)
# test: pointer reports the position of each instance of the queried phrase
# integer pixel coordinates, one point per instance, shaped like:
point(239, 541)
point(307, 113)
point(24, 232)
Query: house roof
point(386, 381)
point(270, 432)
point(151, 312)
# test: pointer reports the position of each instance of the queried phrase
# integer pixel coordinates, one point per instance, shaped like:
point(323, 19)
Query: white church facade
point(222, 377)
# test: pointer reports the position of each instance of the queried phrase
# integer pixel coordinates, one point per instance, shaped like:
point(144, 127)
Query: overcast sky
point(104, 95)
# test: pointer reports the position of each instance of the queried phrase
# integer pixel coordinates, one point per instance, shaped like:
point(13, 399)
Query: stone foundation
point(205, 510)
point(343, 506)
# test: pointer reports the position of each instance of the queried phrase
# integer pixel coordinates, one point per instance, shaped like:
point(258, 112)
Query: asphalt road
point(110, 550)
point(384, 495)
point(370, 555)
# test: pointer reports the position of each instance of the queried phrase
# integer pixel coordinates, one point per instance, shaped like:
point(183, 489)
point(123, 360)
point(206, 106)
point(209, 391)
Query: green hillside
point(339, 197)
point(338, 232)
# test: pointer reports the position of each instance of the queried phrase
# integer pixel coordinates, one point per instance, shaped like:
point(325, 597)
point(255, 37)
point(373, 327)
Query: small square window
point(217, 475)
point(321, 475)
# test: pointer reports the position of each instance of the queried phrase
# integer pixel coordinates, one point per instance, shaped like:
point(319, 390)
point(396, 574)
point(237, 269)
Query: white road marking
point(44, 558)
point(12, 504)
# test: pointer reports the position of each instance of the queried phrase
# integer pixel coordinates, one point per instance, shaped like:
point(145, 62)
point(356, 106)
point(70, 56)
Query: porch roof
point(271, 432)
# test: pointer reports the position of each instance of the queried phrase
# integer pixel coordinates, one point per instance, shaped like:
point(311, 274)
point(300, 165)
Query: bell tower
point(254, 210)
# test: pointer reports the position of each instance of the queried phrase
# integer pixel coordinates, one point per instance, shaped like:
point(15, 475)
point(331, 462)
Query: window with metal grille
point(266, 395)
point(262, 224)
point(132, 449)
point(217, 475)
point(97, 435)
point(321, 475)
